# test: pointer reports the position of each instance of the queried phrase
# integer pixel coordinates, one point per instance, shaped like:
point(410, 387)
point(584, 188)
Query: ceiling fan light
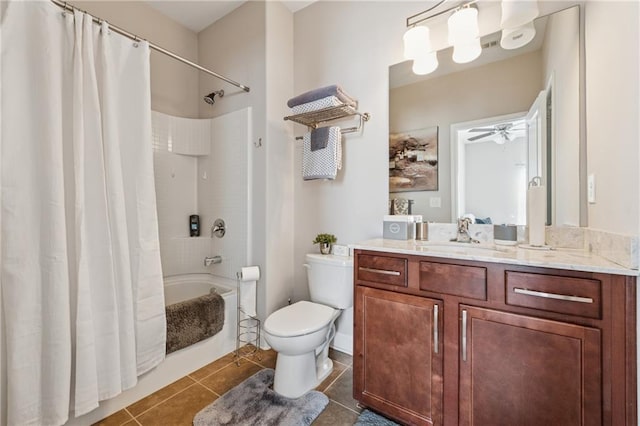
point(516, 13)
point(463, 26)
point(517, 37)
point(500, 140)
point(417, 42)
point(463, 53)
point(426, 64)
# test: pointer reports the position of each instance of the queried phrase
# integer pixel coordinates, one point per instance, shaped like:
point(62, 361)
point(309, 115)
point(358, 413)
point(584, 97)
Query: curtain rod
point(64, 5)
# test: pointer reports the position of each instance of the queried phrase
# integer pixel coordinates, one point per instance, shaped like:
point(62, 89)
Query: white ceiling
point(198, 15)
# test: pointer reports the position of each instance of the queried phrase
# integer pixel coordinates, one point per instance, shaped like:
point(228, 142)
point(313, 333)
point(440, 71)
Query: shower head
point(210, 97)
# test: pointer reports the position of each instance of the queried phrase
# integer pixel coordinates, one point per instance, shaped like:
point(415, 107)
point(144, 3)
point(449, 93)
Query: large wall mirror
point(485, 129)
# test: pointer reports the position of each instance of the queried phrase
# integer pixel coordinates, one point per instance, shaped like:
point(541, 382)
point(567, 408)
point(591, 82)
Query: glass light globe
point(516, 13)
point(417, 42)
point(517, 37)
point(463, 53)
point(426, 64)
point(463, 26)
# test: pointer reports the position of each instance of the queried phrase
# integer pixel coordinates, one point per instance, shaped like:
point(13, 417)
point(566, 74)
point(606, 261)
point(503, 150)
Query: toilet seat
point(299, 319)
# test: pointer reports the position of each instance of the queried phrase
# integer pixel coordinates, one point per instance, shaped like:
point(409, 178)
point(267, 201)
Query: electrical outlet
point(591, 189)
point(435, 202)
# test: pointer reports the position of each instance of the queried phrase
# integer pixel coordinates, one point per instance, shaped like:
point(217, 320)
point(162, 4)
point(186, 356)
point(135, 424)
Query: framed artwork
point(413, 160)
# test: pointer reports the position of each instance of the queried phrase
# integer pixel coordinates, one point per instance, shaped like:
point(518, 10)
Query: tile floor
point(177, 403)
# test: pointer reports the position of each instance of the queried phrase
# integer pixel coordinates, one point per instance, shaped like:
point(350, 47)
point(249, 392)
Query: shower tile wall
point(223, 189)
point(201, 168)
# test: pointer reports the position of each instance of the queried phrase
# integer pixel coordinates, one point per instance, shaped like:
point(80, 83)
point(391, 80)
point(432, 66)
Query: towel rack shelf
point(313, 119)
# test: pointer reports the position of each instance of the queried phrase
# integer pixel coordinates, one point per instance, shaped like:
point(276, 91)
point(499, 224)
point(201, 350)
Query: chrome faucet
point(463, 231)
point(218, 229)
point(208, 261)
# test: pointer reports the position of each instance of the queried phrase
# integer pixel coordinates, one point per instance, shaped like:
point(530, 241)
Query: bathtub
point(179, 288)
point(184, 361)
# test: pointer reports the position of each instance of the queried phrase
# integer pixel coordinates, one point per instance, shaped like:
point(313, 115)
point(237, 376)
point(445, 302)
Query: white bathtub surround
point(185, 136)
point(179, 288)
point(202, 167)
point(185, 255)
point(81, 275)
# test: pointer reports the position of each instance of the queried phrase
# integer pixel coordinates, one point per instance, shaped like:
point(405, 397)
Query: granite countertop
point(571, 259)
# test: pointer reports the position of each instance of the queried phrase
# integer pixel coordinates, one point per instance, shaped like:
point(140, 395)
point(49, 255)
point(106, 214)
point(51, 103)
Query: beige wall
point(174, 85)
point(352, 44)
point(613, 117)
point(464, 96)
point(279, 146)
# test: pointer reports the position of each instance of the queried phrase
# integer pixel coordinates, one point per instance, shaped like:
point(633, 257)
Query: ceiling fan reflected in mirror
point(500, 133)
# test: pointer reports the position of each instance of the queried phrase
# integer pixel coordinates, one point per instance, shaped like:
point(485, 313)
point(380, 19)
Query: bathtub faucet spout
point(208, 261)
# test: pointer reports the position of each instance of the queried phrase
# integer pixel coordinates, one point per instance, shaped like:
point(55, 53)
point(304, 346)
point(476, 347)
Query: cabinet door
point(398, 355)
point(520, 370)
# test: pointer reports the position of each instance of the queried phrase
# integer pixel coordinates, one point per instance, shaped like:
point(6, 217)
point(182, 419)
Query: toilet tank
point(330, 279)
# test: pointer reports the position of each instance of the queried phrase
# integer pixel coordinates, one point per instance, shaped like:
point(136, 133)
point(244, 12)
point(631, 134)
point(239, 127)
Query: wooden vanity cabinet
point(522, 370)
point(400, 357)
point(445, 341)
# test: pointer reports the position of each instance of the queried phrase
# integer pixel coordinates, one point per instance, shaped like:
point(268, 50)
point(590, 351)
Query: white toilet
point(301, 333)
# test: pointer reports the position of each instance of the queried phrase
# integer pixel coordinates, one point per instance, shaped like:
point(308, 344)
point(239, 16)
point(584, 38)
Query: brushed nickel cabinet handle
point(435, 328)
point(555, 296)
point(379, 271)
point(464, 335)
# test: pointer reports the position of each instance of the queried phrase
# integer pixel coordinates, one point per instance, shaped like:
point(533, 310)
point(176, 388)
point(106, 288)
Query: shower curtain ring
point(136, 40)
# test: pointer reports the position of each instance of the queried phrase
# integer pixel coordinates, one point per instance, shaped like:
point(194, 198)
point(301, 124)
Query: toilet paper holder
point(247, 328)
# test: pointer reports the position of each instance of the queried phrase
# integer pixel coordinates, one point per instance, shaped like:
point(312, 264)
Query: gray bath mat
point(369, 418)
point(194, 320)
point(254, 403)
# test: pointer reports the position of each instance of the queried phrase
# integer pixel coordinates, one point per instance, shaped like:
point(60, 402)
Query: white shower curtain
point(81, 276)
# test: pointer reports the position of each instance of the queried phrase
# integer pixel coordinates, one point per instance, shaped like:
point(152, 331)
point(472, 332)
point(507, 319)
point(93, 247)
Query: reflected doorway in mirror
point(413, 160)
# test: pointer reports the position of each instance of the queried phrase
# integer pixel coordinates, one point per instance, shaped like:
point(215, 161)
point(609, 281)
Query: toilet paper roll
point(249, 276)
point(536, 214)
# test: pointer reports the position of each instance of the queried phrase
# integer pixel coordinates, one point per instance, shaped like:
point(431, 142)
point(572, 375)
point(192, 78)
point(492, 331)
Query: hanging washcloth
point(322, 163)
point(320, 138)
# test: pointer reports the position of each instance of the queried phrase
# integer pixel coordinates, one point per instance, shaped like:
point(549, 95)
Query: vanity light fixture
point(417, 42)
point(464, 34)
point(517, 22)
point(426, 64)
point(417, 47)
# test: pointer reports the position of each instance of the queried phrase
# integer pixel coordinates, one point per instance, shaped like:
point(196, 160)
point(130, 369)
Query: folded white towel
point(329, 101)
point(322, 163)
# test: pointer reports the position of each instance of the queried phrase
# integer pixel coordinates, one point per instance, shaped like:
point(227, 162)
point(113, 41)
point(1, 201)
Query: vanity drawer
point(564, 295)
point(457, 280)
point(382, 270)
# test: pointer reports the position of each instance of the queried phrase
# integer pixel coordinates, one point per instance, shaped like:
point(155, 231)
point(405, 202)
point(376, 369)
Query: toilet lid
point(298, 319)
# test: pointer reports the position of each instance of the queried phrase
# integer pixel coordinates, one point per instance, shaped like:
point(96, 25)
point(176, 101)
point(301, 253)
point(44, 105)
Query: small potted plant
point(325, 241)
